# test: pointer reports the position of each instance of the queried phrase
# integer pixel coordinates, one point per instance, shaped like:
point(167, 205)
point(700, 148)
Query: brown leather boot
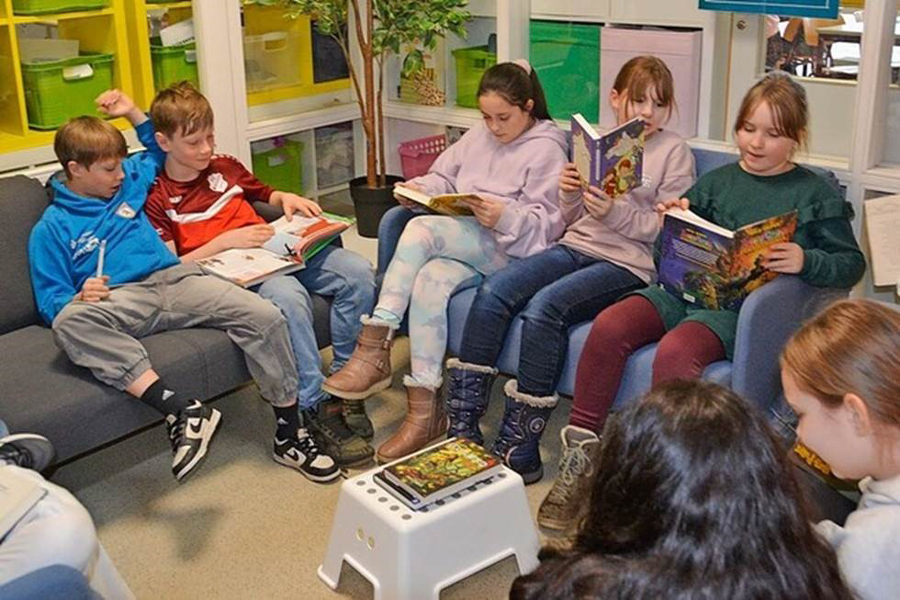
point(425, 422)
point(369, 369)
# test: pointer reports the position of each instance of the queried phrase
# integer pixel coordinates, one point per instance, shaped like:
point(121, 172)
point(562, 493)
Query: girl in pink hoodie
point(511, 161)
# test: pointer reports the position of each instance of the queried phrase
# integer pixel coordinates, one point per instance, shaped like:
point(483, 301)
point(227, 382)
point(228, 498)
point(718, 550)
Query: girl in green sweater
point(771, 125)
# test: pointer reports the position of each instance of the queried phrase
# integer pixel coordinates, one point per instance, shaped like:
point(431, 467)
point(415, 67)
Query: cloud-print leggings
point(435, 256)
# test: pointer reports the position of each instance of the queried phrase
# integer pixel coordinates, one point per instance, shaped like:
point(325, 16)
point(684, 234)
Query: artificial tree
point(382, 27)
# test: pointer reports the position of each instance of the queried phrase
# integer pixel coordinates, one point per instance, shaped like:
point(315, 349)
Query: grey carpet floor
point(244, 526)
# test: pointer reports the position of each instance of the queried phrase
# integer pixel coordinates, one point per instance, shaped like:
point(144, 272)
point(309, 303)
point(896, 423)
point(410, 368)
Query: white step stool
point(413, 555)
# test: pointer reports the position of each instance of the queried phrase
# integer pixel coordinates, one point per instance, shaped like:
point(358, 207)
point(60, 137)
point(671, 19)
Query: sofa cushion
point(22, 202)
point(43, 392)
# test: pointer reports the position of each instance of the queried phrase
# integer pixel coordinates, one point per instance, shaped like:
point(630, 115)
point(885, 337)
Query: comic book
point(453, 205)
point(612, 162)
point(439, 471)
point(712, 266)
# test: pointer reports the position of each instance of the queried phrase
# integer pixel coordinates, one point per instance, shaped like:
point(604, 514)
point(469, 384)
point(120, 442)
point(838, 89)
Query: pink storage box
point(416, 156)
point(680, 50)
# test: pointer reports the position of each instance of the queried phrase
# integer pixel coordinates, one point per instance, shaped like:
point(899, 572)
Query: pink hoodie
point(523, 174)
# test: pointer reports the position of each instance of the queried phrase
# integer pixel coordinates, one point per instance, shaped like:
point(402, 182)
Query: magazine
point(18, 494)
point(438, 471)
point(714, 267)
point(613, 162)
point(288, 250)
point(453, 205)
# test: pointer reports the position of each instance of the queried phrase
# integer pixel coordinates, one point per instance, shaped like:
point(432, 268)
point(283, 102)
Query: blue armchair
point(767, 319)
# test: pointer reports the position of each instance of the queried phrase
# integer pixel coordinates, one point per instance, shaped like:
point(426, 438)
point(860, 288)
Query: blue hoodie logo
point(125, 211)
point(85, 244)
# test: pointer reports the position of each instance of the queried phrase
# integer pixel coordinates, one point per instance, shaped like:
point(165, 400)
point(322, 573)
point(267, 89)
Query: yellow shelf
point(180, 4)
point(57, 17)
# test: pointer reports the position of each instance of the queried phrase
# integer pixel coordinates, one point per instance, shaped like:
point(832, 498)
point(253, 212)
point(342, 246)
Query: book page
point(246, 265)
point(695, 219)
point(882, 224)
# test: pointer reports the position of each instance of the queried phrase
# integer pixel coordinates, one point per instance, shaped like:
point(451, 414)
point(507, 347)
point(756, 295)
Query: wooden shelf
point(57, 17)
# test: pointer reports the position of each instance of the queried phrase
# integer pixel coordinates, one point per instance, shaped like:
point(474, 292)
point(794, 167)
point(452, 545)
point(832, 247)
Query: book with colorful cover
point(439, 471)
point(288, 250)
point(452, 205)
point(614, 161)
point(714, 267)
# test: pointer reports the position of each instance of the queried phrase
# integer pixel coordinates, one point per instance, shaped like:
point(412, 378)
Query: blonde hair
point(638, 74)
point(787, 101)
point(86, 140)
point(180, 108)
point(853, 346)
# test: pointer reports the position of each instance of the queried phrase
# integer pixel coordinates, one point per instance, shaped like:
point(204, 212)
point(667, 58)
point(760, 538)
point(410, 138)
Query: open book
point(438, 471)
point(612, 162)
point(715, 267)
point(445, 204)
point(294, 243)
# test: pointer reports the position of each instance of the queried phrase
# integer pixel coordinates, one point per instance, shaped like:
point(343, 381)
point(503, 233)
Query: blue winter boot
point(468, 393)
point(524, 421)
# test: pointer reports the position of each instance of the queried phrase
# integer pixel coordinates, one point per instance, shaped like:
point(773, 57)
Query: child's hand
point(487, 211)
point(663, 207)
point(597, 203)
point(116, 103)
point(252, 236)
point(94, 289)
point(786, 257)
point(406, 202)
point(291, 203)
point(569, 179)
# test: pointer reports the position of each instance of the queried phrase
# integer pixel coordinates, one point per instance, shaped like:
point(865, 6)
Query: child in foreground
point(102, 278)
point(200, 205)
point(841, 375)
point(692, 498)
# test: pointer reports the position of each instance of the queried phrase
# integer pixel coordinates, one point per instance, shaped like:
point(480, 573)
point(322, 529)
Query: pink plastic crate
point(416, 156)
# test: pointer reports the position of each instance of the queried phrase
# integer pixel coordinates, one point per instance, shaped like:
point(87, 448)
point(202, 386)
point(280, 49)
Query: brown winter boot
point(568, 499)
point(425, 422)
point(369, 369)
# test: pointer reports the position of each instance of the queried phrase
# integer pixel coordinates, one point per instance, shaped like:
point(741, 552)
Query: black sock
point(287, 419)
point(163, 399)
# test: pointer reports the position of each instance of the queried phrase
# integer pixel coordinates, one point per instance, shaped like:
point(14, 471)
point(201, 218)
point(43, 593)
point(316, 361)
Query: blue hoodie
point(64, 246)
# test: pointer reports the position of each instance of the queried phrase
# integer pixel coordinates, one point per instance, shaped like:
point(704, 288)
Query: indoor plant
point(381, 27)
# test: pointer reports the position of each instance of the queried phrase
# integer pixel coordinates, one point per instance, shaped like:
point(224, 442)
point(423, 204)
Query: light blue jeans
point(349, 280)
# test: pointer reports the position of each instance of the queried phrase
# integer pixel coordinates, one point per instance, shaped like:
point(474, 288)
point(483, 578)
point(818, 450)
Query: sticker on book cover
point(217, 183)
point(125, 211)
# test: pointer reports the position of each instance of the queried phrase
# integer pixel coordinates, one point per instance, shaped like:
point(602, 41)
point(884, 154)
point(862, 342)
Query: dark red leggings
point(626, 326)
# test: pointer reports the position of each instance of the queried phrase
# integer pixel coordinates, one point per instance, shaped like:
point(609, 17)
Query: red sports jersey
point(191, 213)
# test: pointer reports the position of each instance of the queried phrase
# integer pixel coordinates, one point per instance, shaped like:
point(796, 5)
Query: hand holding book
point(403, 200)
point(663, 207)
point(251, 236)
point(292, 203)
point(786, 257)
point(487, 211)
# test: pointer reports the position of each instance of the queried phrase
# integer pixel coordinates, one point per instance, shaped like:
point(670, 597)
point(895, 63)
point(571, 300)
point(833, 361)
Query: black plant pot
point(370, 204)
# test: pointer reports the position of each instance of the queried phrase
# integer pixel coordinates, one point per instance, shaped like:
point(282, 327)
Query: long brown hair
point(853, 346)
point(787, 101)
point(638, 74)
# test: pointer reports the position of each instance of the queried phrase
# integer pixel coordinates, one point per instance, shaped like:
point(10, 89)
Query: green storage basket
point(174, 63)
point(40, 7)
point(471, 63)
point(566, 57)
point(280, 167)
point(58, 90)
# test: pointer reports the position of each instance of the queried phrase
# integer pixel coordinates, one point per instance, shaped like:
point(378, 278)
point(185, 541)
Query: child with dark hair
point(693, 498)
point(841, 375)
point(511, 161)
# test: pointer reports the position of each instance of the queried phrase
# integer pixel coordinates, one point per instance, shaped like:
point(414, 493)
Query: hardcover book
point(712, 266)
point(439, 471)
point(612, 162)
point(294, 243)
point(453, 205)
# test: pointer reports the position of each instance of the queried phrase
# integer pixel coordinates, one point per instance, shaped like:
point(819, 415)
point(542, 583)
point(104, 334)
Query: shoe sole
point(310, 476)
point(355, 463)
point(376, 387)
point(381, 460)
point(214, 421)
point(532, 476)
point(552, 524)
point(39, 447)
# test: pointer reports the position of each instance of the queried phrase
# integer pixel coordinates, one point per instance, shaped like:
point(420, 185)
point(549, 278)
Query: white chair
point(413, 555)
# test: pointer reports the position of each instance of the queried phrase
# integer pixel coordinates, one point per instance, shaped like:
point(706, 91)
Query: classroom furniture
point(413, 555)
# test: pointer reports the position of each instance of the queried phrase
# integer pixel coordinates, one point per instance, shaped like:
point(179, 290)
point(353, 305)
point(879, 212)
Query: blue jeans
point(348, 279)
point(554, 290)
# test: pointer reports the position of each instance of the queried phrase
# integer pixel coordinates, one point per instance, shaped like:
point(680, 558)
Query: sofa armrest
point(392, 224)
point(768, 318)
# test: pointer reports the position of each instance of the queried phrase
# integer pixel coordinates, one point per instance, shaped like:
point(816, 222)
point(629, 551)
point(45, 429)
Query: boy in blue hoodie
point(102, 277)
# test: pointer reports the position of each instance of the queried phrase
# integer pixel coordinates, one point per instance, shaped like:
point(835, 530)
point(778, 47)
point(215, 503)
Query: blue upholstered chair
point(767, 319)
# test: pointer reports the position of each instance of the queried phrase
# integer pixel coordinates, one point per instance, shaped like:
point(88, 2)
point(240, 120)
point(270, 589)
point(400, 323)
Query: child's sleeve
point(254, 189)
point(571, 205)
point(144, 166)
point(832, 257)
point(533, 221)
point(51, 272)
point(156, 213)
point(642, 225)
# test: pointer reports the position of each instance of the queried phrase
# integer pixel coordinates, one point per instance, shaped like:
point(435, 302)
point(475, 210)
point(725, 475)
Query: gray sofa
point(42, 392)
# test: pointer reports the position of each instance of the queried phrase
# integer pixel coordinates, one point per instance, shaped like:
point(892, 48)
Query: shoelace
point(574, 462)
point(307, 444)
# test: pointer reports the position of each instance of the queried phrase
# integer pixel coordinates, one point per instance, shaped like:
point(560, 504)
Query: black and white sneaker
point(303, 454)
point(190, 434)
point(27, 450)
